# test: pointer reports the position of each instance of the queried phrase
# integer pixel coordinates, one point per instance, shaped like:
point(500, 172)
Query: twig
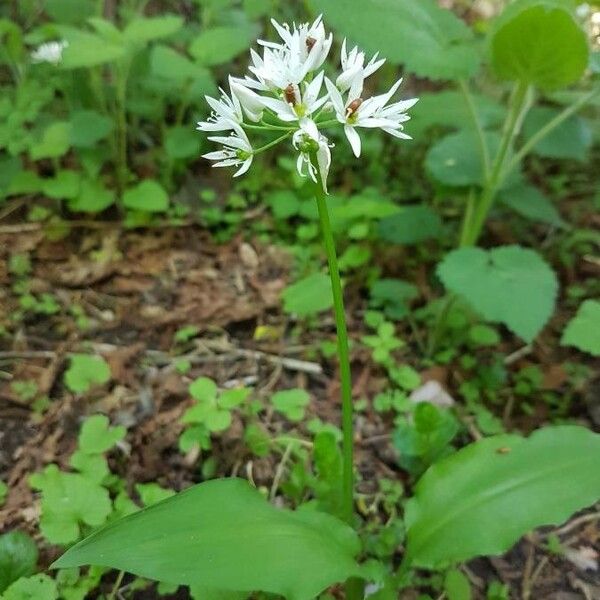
point(280, 469)
point(10, 355)
point(518, 354)
point(116, 586)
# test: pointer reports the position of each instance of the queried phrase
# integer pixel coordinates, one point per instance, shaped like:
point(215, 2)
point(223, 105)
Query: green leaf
point(456, 160)
point(457, 585)
point(96, 435)
point(203, 389)
point(224, 535)
point(291, 403)
point(394, 296)
point(147, 196)
point(308, 296)
point(54, 143)
point(170, 64)
point(68, 501)
point(18, 557)
point(571, 139)
point(510, 285)
point(88, 50)
point(69, 11)
point(3, 492)
point(152, 493)
point(583, 331)
point(143, 30)
point(432, 42)
point(182, 142)
point(448, 108)
point(220, 45)
point(36, 587)
point(93, 197)
point(412, 225)
point(529, 202)
point(484, 497)
point(86, 371)
point(524, 46)
point(88, 127)
point(65, 185)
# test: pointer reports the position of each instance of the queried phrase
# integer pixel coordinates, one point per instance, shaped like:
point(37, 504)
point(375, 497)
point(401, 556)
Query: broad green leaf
point(291, 403)
point(308, 296)
point(224, 535)
point(69, 11)
point(148, 196)
point(142, 30)
point(88, 127)
point(93, 197)
point(509, 284)
point(571, 139)
point(457, 585)
point(484, 497)
point(10, 167)
point(88, 50)
point(431, 41)
point(68, 501)
point(85, 371)
point(448, 108)
point(55, 141)
point(36, 587)
point(18, 557)
point(456, 159)
point(412, 225)
point(524, 46)
point(529, 202)
point(96, 435)
point(220, 45)
point(170, 64)
point(583, 330)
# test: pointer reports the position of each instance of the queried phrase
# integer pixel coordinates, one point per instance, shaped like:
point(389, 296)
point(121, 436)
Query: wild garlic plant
point(287, 92)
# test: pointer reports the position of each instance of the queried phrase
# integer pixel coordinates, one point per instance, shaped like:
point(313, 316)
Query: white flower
point(237, 151)
point(307, 140)
point(251, 102)
point(50, 52)
point(308, 44)
point(296, 105)
point(371, 113)
point(354, 72)
point(227, 112)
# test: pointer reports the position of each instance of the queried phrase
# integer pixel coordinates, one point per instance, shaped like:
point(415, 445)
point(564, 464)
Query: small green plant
point(463, 504)
point(86, 371)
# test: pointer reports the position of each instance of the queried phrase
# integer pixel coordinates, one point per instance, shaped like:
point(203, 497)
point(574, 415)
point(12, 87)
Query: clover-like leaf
point(510, 285)
point(291, 403)
point(308, 296)
point(85, 371)
point(96, 435)
point(69, 500)
point(36, 587)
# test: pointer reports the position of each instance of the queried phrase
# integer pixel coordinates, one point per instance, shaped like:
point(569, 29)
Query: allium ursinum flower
point(354, 71)
point(372, 113)
point(307, 140)
point(50, 52)
point(296, 103)
point(237, 151)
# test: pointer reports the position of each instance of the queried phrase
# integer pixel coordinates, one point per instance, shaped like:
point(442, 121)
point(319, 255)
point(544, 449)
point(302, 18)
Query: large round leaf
point(224, 535)
point(541, 44)
point(429, 40)
point(510, 284)
point(484, 497)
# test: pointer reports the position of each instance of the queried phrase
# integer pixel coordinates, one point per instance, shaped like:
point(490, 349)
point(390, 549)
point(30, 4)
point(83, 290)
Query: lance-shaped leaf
point(224, 535)
point(484, 497)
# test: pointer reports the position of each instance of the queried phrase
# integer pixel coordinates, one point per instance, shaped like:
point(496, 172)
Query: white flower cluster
point(50, 52)
point(285, 94)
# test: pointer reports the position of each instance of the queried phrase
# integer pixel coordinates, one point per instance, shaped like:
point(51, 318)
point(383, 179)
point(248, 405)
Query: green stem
point(515, 115)
point(464, 88)
point(116, 586)
point(468, 217)
point(546, 129)
point(121, 109)
point(273, 143)
point(354, 587)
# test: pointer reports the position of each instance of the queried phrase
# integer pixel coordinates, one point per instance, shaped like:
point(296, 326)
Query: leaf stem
point(273, 143)
point(464, 88)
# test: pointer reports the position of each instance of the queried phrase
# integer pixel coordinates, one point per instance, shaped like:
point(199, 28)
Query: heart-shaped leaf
point(510, 284)
point(524, 45)
point(583, 330)
point(484, 497)
point(224, 535)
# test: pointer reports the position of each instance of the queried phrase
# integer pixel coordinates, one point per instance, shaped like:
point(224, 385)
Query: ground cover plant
point(364, 365)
